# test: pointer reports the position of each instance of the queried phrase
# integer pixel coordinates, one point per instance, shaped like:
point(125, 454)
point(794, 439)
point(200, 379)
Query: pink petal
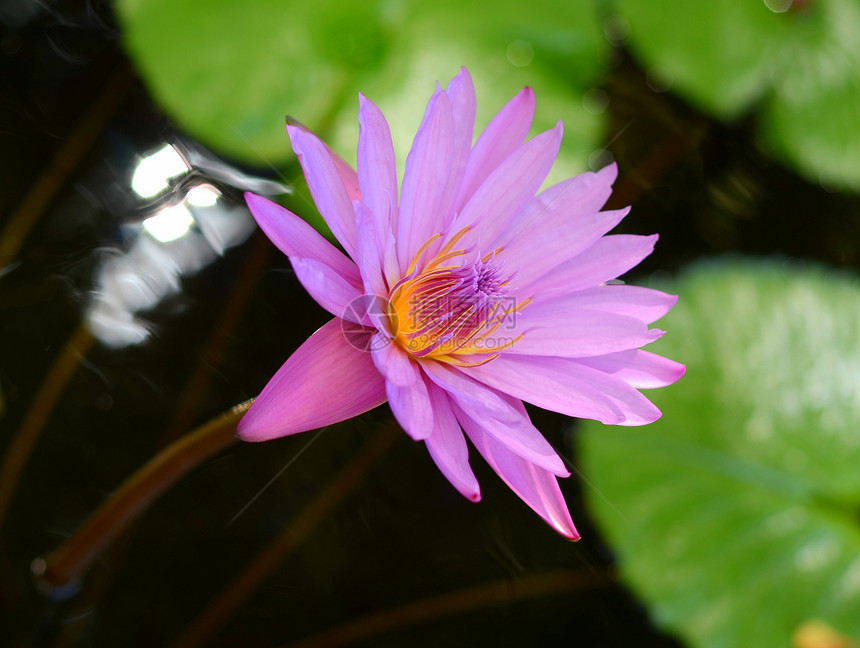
point(571, 333)
point(392, 361)
point(574, 203)
point(467, 390)
point(535, 486)
point(563, 385)
point(518, 435)
point(295, 238)
point(369, 250)
point(425, 179)
point(509, 187)
point(329, 289)
point(639, 369)
point(325, 381)
point(504, 134)
point(345, 171)
point(609, 258)
point(326, 185)
point(539, 252)
point(411, 406)
point(645, 304)
point(447, 447)
point(377, 170)
point(347, 174)
point(390, 264)
point(461, 93)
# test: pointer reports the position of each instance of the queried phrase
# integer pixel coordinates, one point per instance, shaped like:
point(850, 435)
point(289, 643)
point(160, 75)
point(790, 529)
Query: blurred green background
point(733, 521)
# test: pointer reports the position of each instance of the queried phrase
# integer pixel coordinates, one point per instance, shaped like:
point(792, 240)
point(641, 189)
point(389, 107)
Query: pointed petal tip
point(270, 216)
point(609, 173)
point(656, 334)
point(241, 434)
point(464, 72)
point(639, 421)
point(298, 131)
point(648, 239)
point(526, 96)
point(264, 208)
point(676, 373)
point(292, 122)
point(251, 199)
point(249, 431)
point(364, 104)
point(462, 76)
point(564, 526)
point(294, 130)
point(471, 491)
point(250, 438)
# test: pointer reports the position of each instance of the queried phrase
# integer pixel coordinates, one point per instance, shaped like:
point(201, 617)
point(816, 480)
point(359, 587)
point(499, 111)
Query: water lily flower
point(464, 293)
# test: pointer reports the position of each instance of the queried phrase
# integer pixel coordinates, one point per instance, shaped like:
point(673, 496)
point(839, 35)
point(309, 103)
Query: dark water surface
point(390, 542)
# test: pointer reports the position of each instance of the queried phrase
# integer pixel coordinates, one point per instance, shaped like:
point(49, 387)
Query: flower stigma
point(451, 308)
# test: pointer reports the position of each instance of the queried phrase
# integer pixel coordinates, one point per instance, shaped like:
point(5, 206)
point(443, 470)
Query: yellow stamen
point(440, 314)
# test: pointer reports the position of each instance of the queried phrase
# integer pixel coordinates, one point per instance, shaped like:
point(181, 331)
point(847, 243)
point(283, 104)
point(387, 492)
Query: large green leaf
point(229, 72)
point(719, 53)
point(737, 515)
point(726, 55)
point(812, 119)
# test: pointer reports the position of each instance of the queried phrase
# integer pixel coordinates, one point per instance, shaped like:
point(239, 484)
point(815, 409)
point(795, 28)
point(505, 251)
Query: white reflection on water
point(153, 173)
point(185, 231)
point(170, 223)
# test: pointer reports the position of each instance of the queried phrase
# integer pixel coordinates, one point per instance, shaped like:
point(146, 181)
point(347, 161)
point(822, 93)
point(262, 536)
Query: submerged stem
point(64, 163)
point(468, 599)
point(50, 390)
point(266, 562)
point(76, 554)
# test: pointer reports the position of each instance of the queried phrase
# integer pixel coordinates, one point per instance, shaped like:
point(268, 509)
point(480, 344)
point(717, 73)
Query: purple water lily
point(463, 294)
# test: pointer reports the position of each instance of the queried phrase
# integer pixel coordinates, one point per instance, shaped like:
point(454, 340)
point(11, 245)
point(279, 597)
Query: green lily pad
point(812, 119)
point(718, 54)
point(802, 59)
point(229, 72)
point(737, 515)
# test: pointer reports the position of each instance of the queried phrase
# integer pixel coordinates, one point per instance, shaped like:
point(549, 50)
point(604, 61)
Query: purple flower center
point(453, 308)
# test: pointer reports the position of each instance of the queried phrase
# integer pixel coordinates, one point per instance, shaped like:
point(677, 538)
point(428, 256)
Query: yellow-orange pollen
point(451, 309)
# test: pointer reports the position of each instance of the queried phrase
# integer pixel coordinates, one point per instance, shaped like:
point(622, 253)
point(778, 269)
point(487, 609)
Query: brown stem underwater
point(76, 554)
